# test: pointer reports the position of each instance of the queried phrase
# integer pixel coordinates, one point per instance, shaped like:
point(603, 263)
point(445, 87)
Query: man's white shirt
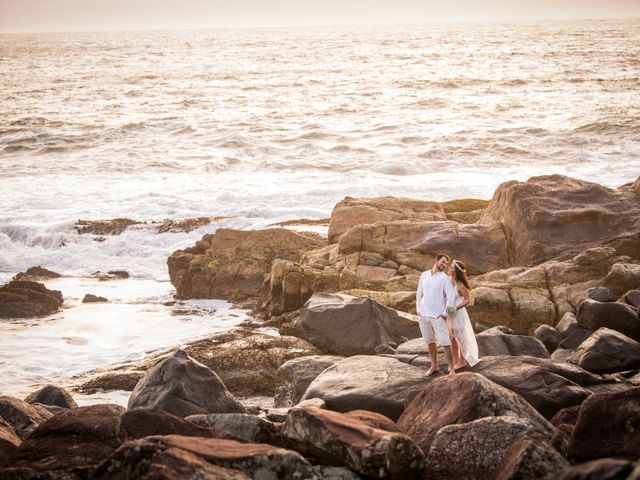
point(434, 293)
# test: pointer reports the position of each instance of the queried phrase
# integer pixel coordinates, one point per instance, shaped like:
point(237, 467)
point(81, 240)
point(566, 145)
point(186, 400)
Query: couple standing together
point(440, 302)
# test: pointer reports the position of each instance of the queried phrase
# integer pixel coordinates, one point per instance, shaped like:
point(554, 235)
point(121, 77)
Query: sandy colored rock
point(556, 216)
point(622, 277)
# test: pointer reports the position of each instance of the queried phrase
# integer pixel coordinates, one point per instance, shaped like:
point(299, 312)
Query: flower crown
point(458, 266)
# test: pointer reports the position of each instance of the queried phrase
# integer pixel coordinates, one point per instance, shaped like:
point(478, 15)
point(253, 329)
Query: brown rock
point(605, 469)
point(549, 336)
point(182, 386)
point(567, 416)
point(358, 211)
point(9, 442)
point(241, 427)
point(231, 264)
point(344, 325)
point(19, 299)
point(295, 375)
point(452, 400)
point(476, 449)
point(529, 459)
point(491, 345)
point(365, 382)
point(551, 216)
point(607, 351)
point(622, 277)
point(36, 274)
point(632, 297)
point(593, 315)
point(374, 419)
point(254, 459)
point(104, 227)
point(90, 298)
point(614, 420)
point(22, 416)
point(52, 395)
point(76, 440)
point(337, 439)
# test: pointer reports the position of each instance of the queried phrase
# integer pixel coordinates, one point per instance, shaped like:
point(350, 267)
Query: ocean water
point(267, 125)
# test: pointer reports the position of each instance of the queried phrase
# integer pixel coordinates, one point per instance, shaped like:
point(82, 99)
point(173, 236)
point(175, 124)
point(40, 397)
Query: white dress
point(463, 331)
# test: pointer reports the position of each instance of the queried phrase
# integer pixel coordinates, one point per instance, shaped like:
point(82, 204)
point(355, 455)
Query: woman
point(463, 340)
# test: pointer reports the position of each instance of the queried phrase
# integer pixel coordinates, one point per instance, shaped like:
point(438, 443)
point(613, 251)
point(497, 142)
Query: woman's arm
point(464, 292)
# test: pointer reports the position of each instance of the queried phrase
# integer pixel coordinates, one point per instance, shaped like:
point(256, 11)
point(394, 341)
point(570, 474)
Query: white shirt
point(434, 293)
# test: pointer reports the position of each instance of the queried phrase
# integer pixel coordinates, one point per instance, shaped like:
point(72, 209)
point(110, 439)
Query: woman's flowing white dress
point(463, 331)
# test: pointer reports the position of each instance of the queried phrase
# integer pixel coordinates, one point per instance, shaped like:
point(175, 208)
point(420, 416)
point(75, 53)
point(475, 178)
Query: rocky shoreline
point(335, 357)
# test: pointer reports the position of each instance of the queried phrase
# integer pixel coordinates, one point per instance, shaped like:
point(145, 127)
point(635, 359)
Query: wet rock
point(622, 277)
point(336, 439)
point(52, 395)
point(548, 386)
point(104, 227)
point(254, 459)
point(295, 375)
point(618, 316)
point(241, 427)
point(476, 449)
point(607, 351)
point(20, 299)
point(490, 345)
point(36, 274)
point(22, 416)
point(358, 211)
point(145, 422)
point(364, 382)
point(553, 215)
point(183, 386)
point(74, 441)
point(530, 459)
point(231, 264)
point(614, 420)
point(247, 361)
point(460, 399)
point(345, 325)
point(90, 298)
point(605, 469)
point(549, 336)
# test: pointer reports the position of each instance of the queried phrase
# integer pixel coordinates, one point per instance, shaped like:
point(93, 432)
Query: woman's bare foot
point(432, 371)
point(452, 371)
point(458, 366)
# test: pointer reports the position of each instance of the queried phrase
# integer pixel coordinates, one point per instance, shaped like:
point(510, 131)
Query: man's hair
point(440, 255)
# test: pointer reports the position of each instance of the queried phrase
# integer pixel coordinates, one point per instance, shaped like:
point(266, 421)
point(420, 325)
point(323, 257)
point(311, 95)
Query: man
point(435, 292)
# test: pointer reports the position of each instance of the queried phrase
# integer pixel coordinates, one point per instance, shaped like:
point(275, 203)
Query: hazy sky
point(64, 15)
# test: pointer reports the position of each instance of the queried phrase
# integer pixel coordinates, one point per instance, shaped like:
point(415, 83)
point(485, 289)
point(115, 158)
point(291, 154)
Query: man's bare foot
point(458, 366)
point(432, 371)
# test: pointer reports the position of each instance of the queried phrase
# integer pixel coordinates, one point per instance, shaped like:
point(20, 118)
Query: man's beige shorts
point(435, 330)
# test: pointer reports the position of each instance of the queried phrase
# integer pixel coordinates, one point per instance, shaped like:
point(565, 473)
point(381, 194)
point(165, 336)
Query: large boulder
point(240, 426)
point(231, 264)
point(477, 449)
point(337, 439)
point(344, 325)
point(549, 336)
point(23, 417)
point(21, 298)
point(556, 216)
point(462, 398)
point(613, 419)
point(182, 386)
point(76, 440)
point(607, 351)
point(623, 277)
point(52, 395)
point(548, 386)
point(615, 315)
point(295, 375)
point(247, 361)
point(350, 212)
point(365, 382)
point(492, 345)
point(256, 460)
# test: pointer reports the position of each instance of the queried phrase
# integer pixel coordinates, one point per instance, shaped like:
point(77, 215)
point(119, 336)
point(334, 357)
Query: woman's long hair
point(461, 273)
